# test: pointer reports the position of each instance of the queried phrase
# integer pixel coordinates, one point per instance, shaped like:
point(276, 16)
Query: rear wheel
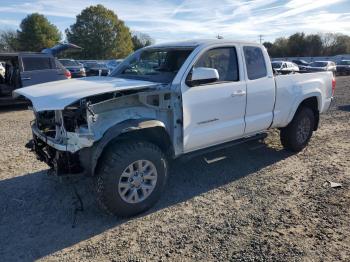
point(130, 178)
point(297, 134)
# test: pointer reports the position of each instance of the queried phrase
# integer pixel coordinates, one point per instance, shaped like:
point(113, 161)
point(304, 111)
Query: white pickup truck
point(167, 101)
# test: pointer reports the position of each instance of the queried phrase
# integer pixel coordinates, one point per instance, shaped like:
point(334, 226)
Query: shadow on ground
point(38, 213)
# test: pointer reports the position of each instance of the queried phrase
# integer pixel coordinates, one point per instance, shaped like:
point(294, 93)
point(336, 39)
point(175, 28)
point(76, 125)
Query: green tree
point(268, 45)
point(37, 33)
point(101, 34)
point(296, 45)
point(8, 41)
point(299, 44)
point(279, 48)
point(141, 40)
point(313, 45)
point(337, 44)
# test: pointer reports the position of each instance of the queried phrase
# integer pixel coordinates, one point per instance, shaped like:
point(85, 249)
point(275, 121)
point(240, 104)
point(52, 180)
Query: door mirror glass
point(203, 75)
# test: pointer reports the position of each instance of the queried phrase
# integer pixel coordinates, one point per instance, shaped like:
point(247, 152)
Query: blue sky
point(169, 20)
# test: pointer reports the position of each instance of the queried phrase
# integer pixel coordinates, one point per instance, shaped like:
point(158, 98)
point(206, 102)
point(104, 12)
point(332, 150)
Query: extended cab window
point(255, 61)
point(36, 63)
point(223, 59)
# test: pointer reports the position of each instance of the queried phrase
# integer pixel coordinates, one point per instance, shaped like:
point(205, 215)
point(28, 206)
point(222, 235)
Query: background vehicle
point(112, 64)
point(67, 73)
point(25, 69)
point(302, 64)
point(319, 66)
point(165, 102)
point(74, 67)
point(285, 67)
point(2, 69)
point(96, 69)
point(343, 67)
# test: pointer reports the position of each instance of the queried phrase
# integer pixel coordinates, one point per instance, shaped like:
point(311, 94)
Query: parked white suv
point(285, 67)
point(165, 102)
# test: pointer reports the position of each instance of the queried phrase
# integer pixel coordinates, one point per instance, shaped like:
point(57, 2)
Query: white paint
point(204, 73)
point(213, 114)
point(260, 99)
point(59, 94)
point(293, 89)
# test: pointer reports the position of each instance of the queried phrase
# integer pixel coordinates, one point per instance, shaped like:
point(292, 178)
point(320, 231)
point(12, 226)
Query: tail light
point(67, 74)
point(334, 83)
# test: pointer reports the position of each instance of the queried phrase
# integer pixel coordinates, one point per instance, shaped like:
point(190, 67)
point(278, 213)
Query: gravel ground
point(260, 203)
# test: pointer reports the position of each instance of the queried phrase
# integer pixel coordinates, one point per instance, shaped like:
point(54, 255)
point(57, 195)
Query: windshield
point(318, 64)
point(344, 63)
point(276, 65)
point(155, 65)
point(69, 63)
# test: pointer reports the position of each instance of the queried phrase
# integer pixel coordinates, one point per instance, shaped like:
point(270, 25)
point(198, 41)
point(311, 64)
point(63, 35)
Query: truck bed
point(291, 88)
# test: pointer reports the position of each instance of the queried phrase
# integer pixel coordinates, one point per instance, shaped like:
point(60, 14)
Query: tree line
point(300, 44)
point(98, 30)
point(102, 35)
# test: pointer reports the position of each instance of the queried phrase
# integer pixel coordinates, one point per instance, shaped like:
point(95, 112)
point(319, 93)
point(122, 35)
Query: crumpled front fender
point(89, 156)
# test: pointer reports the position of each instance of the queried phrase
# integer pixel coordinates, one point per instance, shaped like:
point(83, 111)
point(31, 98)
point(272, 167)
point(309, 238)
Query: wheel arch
point(313, 101)
point(150, 130)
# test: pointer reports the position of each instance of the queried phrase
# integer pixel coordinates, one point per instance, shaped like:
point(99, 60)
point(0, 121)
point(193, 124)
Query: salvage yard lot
point(260, 203)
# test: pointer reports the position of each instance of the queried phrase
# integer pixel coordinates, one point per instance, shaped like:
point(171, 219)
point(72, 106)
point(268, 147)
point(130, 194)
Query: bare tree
point(8, 41)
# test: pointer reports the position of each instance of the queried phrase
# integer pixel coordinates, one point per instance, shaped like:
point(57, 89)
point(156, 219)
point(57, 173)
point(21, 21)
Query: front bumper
point(61, 162)
point(64, 159)
point(78, 74)
point(72, 143)
point(48, 140)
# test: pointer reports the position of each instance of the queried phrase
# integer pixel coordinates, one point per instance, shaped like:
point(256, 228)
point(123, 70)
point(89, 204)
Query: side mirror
point(203, 75)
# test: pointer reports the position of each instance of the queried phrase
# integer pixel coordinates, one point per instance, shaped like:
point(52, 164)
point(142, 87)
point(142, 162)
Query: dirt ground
point(259, 204)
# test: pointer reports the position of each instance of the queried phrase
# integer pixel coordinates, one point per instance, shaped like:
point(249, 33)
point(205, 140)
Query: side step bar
point(189, 156)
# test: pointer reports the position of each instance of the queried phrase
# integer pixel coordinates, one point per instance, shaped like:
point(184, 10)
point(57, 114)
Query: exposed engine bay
point(59, 136)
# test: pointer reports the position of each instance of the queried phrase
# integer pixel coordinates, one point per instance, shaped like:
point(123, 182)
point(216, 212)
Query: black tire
point(292, 138)
point(111, 166)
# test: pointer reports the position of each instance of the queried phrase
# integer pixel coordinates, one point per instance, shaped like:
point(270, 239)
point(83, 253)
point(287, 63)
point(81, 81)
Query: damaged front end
point(70, 140)
point(59, 135)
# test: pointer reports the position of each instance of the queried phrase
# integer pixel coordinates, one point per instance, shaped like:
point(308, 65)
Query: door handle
point(238, 93)
point(26, 78)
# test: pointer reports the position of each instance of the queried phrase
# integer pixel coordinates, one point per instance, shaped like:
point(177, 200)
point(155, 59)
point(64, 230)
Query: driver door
point(213, 113)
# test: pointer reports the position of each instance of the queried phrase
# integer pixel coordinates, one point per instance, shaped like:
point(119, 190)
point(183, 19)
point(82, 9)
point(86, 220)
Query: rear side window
point(36, 63)
point(255, 61)
point(223, 59)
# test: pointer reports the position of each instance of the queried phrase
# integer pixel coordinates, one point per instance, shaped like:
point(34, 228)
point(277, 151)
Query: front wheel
point(297, 134)
point(130, 178)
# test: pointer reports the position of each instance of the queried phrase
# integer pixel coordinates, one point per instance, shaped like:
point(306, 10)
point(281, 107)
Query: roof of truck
point(198, 42)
